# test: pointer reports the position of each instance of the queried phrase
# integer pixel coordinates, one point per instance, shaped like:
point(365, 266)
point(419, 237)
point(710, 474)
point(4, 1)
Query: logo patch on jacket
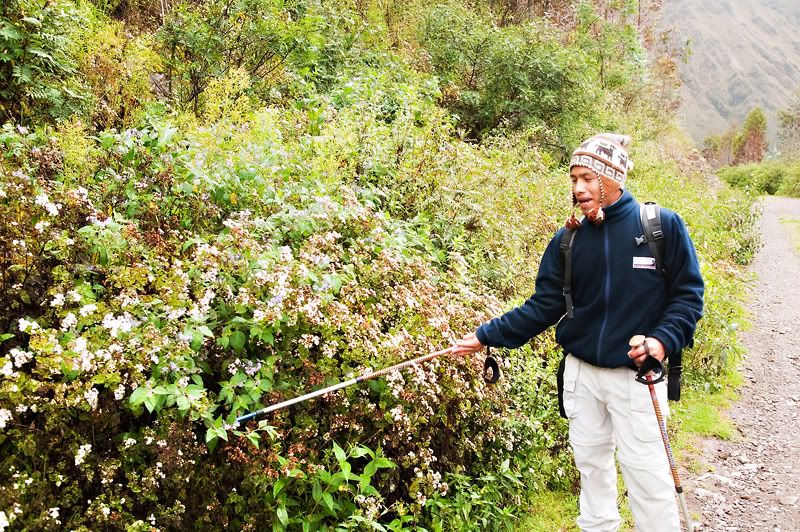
point(644, 263)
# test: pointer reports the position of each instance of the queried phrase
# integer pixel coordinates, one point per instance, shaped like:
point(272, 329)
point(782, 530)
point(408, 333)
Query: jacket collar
point(621, 207)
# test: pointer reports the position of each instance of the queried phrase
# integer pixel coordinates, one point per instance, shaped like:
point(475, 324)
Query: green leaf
point(183, 403)
point(316, 491)
point(278, 487)
point(206, 331)
point(327, 498)
point(255, 439)
point(150, 403)
point(139, 395)
point(165, 134)
point(339, 452)
point(283, 516)
point(237, 340)
point(382, 462)
point(4, 337)
point(360, 451)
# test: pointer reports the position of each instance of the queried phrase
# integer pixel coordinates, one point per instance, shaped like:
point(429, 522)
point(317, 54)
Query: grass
point(551, 511)
point(699, 414)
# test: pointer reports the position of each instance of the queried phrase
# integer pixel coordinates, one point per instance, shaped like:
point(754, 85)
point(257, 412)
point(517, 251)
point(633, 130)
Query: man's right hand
point(468, 345)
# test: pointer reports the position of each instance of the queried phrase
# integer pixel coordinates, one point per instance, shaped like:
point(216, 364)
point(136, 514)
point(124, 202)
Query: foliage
point(117, 70)
point(606, 30)
point(718, 149)
point(790, 185)
point(779, 176)
point(789, 128)
point(227, 269)
point(163, 272)
point(38, 60)
point(271, 40)
point(750, 144)
point(513, 76)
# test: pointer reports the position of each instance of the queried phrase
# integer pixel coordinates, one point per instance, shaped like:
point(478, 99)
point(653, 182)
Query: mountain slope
point(745, 53)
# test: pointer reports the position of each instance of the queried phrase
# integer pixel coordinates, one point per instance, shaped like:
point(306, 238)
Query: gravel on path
point(755, 483)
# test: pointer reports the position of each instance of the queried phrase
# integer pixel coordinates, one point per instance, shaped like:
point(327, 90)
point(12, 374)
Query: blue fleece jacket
point(613, 298)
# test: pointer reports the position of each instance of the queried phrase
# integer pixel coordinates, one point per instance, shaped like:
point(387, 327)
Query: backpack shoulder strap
point(567, 238)
point(650, 214)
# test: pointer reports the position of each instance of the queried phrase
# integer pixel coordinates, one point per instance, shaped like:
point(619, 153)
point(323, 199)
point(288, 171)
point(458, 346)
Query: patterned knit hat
point(606, 155)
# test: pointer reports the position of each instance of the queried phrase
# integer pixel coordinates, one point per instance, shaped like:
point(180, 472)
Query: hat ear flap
point(573, 222)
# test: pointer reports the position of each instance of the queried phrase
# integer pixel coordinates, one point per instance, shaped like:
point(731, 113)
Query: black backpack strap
point(650, 214)
point(674, 377)
point(567, 238)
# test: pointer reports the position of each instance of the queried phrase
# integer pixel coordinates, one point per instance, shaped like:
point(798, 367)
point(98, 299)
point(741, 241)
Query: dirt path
point(755, 482)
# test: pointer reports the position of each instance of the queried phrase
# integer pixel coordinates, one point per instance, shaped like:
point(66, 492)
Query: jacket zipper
point(607, 291)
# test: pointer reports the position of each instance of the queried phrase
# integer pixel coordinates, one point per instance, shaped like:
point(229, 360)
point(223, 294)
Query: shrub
point(38, 63)
point(186, 279)
point(271, 40)
point(514, 76)
point(790, 185)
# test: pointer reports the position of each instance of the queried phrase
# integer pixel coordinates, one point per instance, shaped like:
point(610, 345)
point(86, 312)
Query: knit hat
point(606, 155)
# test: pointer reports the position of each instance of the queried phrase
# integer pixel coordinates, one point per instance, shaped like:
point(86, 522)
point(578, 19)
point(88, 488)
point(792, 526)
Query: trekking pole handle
point(650, 364)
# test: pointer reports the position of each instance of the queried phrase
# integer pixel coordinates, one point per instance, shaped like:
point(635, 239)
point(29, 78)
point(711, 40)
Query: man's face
point(586, 187)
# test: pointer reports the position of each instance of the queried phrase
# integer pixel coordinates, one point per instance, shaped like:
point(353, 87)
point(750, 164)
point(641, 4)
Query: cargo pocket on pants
point(643, 416)
point(568, 372)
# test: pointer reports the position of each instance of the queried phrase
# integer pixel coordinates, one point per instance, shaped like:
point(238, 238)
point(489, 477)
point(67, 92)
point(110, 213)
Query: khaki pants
point(608, 410)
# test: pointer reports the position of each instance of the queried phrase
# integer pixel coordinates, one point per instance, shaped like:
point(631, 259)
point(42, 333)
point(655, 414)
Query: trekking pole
point(491, 374)
point(644, 376)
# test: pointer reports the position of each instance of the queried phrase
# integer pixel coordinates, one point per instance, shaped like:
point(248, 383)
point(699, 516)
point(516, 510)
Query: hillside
point(744, 53)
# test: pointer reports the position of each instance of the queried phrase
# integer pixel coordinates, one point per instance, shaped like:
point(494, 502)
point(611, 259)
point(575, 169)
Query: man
point(618, 293)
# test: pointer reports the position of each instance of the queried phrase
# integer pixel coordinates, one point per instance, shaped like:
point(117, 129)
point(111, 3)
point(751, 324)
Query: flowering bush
point(186, 279)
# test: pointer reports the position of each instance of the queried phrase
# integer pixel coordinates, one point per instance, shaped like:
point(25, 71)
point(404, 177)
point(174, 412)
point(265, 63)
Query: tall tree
point(718, 149)
point(789, 132)
point(751, 143)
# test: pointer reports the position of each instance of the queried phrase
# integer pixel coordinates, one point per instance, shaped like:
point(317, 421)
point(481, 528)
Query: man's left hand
point(639, 355)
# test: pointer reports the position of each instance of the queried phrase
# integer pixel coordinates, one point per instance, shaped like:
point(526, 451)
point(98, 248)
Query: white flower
point(27, 326)
point(87, 309)
point(41, 225)
point(7, 369)
point(54, 512)
point(80, 345)
point(3, 521)
point(58, 300)
point(119, 324)
point(5, 417)
point(69, 321)
point(20, 357)
point(49, 206)
point(21, 409)
point(105, 510)
point(129, 442)
point(119, 392)
point(74, 296)
point(83, 450)
point(91, 397)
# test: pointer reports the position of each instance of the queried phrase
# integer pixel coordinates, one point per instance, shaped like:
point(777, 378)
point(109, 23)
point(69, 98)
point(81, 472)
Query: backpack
point(650, 216)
